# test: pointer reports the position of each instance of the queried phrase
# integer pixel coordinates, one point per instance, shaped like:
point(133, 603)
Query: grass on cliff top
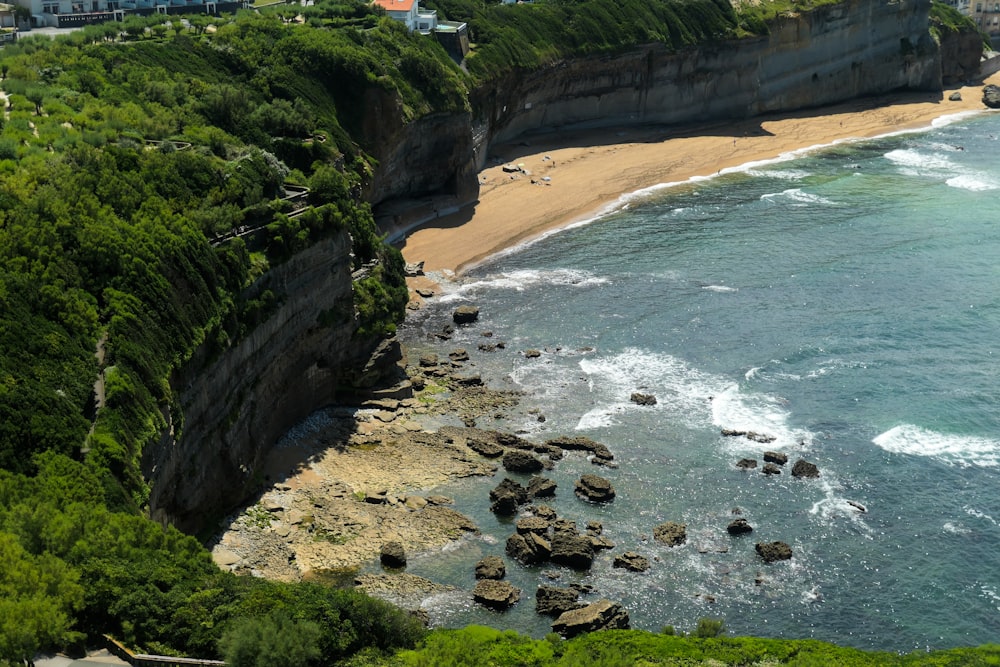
point(477, 645)
point(754, 15)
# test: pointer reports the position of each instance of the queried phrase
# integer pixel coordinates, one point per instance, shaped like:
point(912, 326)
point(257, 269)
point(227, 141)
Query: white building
point(408, 13)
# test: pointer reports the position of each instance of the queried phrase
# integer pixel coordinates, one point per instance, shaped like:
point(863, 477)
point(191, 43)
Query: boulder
point(428, 360)
point(600, 542)
point(532, 354)
point(541, 487)
point(491, 567)
point(773, 551)
point(516, 460)
point(771, 469)
point(732, 433)
point(760, 437)
point(544, 511)
point(600, 615)
point(642, 399)
point(490, 450)
point(746, 464)
point(670, 533)
point(507, 496)
point(392, 555)
point(583, 443)
point(955, 97)
point(572, 550)
point(632, 562)
point(530, 549)
point(495, 594)
point(595, 527)
point(739, 527)
point(803, 468)
point(533, 524)
point(465, 315)
point(776, 457)
point(459, 354)
point(594, 489)
point(991, 96)
point(555, 601)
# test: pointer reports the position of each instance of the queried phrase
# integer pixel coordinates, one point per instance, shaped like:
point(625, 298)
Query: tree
point(38, 595)
point(275, 640)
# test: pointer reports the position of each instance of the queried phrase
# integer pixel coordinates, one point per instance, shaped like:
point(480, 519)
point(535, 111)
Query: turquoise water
point(845, 301)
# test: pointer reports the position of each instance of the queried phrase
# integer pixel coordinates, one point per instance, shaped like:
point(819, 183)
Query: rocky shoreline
point(352, 486)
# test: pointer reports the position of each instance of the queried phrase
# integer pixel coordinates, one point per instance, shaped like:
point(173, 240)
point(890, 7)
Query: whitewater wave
point(913, 162)
point(521, 280)
point(797, 197)
point(951, 449)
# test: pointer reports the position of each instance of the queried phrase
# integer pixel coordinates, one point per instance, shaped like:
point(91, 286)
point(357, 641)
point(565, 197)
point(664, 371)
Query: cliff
point(831, 54)
point(235, 407)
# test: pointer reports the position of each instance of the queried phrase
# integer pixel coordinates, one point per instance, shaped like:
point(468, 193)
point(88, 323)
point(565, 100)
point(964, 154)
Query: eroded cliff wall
point(834, 53)
point(236, 406)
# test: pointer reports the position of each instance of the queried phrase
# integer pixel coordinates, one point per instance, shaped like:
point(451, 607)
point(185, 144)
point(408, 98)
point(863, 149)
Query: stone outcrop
point(739, 527)
point(507, 496)
point(499, 595)
point(600, 615)
point(465, 315)
point(803, 468)
point(776, 457)
point(632, 562)
point(594, 489)
point(516, 460)
point(555, 601)
point(671, 533)
point(991, 96)
point(491, 567)
point(642, 399)
point(773, 551)
point(392, 555)
point(572, 550)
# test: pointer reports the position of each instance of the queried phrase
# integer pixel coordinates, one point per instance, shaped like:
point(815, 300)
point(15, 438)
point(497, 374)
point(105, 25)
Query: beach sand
point(575, 175)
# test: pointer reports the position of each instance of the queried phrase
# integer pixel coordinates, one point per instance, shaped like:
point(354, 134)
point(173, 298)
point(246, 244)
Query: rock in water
point(776, 457)
point(515, 460)
point(670, 533)
point(991, 96)
point(632, 562)
point(739, 527)
point(642, 399)
point(494, 594)
point(392, 555)
point(555, 601)
point(803, 468)
point(773, 551)
point(601, 615)
point(465, 315)
point(491, 567)
point(595, 489)
point(746, 464)
point(572, 550)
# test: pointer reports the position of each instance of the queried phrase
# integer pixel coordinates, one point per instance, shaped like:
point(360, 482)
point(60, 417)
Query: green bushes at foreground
point(477, 645)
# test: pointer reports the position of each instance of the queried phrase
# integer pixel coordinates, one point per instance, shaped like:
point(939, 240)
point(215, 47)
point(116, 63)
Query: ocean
point(844, 300)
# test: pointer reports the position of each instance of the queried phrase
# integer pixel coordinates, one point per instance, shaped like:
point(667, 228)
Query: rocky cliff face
point(429, 156)
point(961, 53)
point(235, 407)
point(835, 53)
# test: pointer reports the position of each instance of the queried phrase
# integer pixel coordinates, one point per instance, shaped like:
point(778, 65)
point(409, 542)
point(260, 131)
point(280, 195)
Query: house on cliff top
point(452, 35)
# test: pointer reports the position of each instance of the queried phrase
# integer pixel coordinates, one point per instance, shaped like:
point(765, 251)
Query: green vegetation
point(947, 19)
point(476, 645)
point(142, 172)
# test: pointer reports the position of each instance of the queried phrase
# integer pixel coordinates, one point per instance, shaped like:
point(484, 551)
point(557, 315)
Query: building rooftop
point(395, 5)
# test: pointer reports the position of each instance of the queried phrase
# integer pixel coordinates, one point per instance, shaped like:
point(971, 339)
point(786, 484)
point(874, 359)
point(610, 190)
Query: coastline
point(572, 177)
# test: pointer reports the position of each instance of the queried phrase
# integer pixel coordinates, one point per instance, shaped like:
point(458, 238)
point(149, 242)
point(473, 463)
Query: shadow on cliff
point(582, 137)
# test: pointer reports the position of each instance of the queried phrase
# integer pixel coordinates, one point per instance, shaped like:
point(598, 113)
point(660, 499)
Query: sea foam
point(950, 449)
point(522, 280)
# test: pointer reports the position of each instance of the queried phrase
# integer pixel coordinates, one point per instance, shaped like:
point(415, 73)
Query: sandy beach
point(572, 176)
